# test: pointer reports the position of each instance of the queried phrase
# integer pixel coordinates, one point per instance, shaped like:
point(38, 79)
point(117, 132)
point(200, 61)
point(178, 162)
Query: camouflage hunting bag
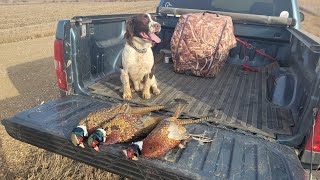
point(201, 43)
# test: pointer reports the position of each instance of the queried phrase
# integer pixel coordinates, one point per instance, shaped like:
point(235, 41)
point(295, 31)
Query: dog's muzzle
point(157, 27)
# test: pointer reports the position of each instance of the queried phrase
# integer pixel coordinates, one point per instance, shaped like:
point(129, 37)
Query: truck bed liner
point(234, 95)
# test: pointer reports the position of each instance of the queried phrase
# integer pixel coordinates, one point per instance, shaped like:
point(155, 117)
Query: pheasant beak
point(97, 149)
point(130, 154)
point(80, 141)
point(135, 158)
point(95, 146)
point(77, 140)
point(81, 145)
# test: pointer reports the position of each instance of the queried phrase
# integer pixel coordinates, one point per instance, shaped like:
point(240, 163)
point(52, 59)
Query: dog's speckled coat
point(137, 66)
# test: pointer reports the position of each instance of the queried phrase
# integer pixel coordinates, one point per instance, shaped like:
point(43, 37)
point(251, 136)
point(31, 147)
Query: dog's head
point(143, 26)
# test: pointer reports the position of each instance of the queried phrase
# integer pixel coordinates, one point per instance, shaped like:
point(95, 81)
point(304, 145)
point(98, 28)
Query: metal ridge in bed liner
point(230, 156)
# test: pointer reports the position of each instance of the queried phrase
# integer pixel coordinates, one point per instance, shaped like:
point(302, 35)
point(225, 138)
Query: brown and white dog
point(137, 57)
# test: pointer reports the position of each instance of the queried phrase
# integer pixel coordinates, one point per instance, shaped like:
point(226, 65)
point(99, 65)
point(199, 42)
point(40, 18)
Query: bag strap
point(183, 27)
point(217, 47)
point(250, 46)
point(246, 66)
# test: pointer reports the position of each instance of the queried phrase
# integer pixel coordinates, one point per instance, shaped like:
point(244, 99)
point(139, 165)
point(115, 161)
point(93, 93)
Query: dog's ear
point(129, 29)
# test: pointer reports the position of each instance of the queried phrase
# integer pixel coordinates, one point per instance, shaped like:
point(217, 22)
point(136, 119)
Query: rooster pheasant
point(167, 135)
point(124, 128)
point(95, 119)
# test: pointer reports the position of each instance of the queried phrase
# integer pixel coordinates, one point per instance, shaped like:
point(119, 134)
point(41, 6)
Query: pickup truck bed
point(235, 97)
point(232, 154)
point(261, 118)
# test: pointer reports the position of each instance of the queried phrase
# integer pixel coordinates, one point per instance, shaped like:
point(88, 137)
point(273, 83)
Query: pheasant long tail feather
point(179, 110)
point(144, 110)
point(182, 104)
point(105, 114)
point(191, 121)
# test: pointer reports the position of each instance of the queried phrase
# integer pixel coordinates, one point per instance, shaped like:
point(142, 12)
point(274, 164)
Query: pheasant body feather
point(125, 127)
point(167, 135)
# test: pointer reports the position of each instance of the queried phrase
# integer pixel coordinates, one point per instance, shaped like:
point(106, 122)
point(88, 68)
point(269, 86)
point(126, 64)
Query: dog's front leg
point(146, 88)
point(126, 85)
point(137, 86)
point(154, 86)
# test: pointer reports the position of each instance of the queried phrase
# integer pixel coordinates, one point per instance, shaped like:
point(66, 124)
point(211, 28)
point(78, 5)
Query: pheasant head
point(78, 134)
point(97, 138)
point(134, 150)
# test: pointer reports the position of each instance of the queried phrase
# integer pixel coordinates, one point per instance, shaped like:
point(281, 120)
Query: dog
point(137, 58)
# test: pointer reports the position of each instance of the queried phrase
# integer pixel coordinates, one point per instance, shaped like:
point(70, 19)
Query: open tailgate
point(232, 155)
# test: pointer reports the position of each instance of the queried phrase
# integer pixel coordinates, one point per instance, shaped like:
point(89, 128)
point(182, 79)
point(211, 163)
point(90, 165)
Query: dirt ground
point(30, 21)
point(311, 24)
point(27, 78)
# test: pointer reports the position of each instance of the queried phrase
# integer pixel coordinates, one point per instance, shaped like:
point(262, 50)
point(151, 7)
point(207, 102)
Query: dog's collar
point(144, 50)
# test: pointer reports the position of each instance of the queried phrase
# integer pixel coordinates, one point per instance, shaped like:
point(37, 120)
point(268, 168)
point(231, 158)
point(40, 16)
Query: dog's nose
point(157, 27)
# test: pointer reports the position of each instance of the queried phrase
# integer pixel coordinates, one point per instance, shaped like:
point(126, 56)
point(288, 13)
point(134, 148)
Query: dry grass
point(309, 2)
point(30, 21)
point(21, 64)
point(29, 69)
point(311, 9)
point(312, 6)
point(311, 24)
point(51, 166)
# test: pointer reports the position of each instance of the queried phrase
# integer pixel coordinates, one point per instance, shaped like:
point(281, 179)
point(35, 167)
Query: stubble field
point(27, 76)
point(29, 21)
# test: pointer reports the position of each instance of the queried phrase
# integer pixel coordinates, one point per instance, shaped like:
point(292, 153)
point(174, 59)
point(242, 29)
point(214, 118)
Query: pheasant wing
point(157, 143)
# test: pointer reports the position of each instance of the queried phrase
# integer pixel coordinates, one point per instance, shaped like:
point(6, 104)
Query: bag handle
point(217, 47)
point(184, 25)
point(210, 13)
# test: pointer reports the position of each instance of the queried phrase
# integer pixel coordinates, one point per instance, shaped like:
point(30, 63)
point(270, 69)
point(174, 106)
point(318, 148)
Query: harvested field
point(28, 79)
point(30, 21)
point(311, 10)
point(310, 6)
point(311, 24)
point(23, 21)
point(27, 76)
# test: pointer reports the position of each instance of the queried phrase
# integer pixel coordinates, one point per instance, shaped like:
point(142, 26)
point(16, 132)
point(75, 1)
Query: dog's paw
point(156, 91)
point(146, 95)
point(127, 96)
